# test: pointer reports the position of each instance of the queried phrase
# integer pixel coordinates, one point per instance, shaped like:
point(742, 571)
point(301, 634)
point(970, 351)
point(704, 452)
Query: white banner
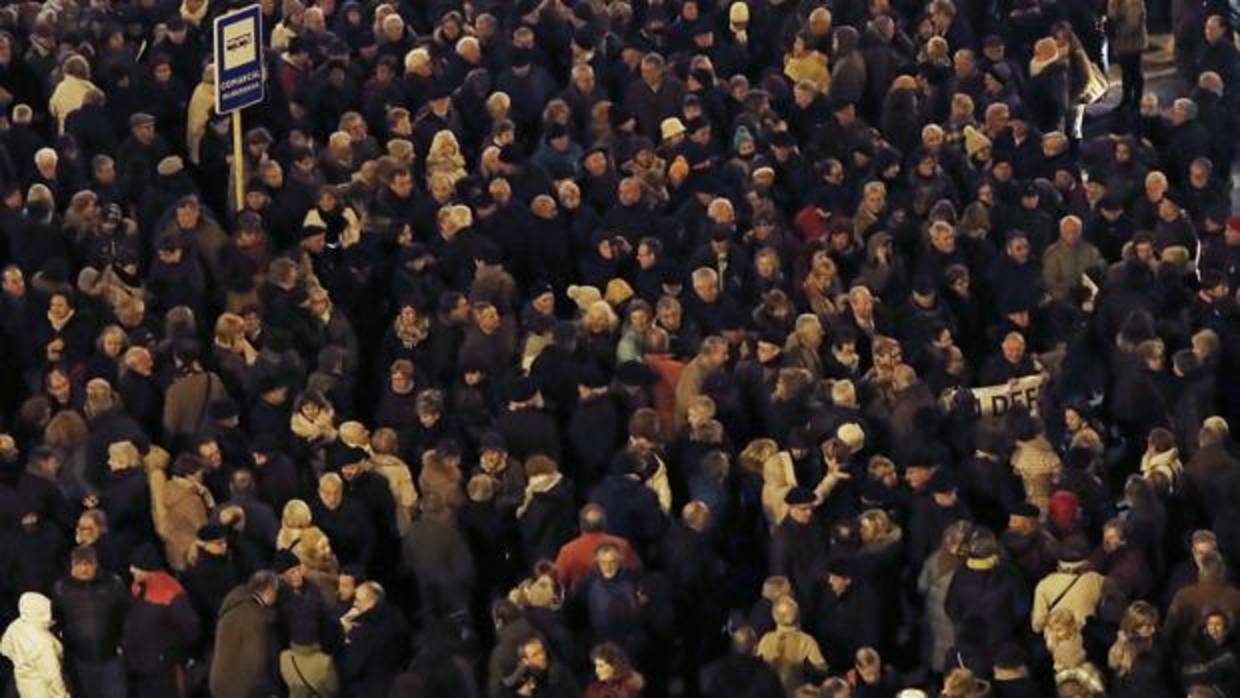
point(996, 400)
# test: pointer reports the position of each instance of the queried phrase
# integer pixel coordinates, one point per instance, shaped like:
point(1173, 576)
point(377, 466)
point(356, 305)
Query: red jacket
point(577, 557)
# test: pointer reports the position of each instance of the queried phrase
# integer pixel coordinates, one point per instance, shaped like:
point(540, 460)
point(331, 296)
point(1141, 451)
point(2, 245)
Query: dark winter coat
point(161, 628)
point(633, 511)
point(547, 522)
point(241, 665)
point(376, 652)
point(91, 615)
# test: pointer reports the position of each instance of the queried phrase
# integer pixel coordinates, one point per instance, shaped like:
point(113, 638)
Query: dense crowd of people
point(554, 348)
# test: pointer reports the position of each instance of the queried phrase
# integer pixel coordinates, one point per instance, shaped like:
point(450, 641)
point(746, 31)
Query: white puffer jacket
point(34, 650)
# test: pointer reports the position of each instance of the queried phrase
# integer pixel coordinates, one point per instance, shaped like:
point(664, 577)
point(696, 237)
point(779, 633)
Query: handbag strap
point(1063, 593)
point(292, 659)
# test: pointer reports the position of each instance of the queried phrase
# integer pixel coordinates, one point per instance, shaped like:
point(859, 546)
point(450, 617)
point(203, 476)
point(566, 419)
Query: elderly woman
point(295, 522)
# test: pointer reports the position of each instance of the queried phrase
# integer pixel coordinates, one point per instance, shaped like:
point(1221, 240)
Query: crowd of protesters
point(545, 349)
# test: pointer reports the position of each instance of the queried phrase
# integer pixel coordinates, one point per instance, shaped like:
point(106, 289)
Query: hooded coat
point(36, 654)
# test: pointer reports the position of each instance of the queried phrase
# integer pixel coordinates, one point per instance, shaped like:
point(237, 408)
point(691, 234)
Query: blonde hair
point(1130, 642)
point(757, 453)
point(229, 327)
point(296, 514)
point(122, 455)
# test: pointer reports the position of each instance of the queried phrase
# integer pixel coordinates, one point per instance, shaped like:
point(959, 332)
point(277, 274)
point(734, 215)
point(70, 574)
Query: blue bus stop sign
point(238, 59)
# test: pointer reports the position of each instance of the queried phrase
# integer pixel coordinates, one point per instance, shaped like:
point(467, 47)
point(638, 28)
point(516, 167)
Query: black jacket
point(91, 615)
point(161, 628)
point(528, 432)
point(375, 653)
point(548, 522)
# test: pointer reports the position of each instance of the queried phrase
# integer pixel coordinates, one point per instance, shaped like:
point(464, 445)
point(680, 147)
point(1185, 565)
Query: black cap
point(618, 115)
point(942, 482)
point(299, 152)
point(212, 531)
point(703, 76)
point(923, 285)
point(585, 36)
point(511, 155)
point(783, 139)
point(800, 439)
point(539, 288)
point(284, 561)
point(1016, 303)
point(798, 496)
point(312, 230)
point(522, 57)
point(440, 90)
point(341, 455)
point(770, 336)
point(492, 441)
point(146, 558)
point(840, 566)
point(265, 443)
point(1073, 549)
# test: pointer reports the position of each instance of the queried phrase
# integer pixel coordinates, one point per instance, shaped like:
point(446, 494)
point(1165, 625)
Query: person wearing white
point(36, 654)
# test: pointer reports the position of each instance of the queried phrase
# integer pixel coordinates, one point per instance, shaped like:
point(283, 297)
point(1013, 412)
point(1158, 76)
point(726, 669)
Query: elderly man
point(1068, 258)
point(711, 357)
point(240, 666)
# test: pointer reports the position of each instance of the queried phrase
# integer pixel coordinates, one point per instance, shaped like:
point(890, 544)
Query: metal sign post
point(238, 42)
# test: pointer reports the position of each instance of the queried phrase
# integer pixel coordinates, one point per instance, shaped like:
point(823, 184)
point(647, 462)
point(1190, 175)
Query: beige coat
point(67, 98)
point(778, 477)
point(787, 649)
point(1082, 598)
point(1038, 466)
point(186, 506)
point(201, 107)
point(309, 672)
point(400, 482)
